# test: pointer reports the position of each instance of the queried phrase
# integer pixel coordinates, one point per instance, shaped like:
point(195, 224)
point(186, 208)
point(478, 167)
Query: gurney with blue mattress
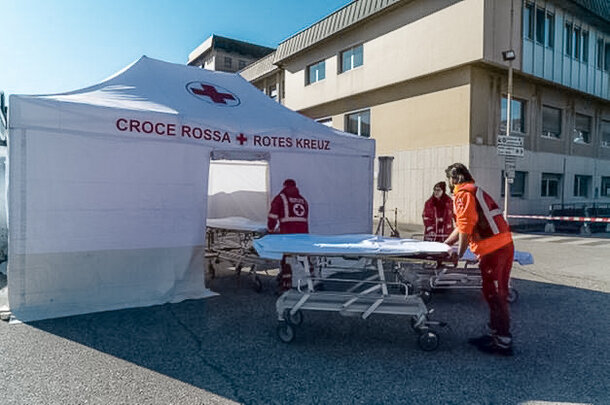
point(230, 240)
point(347, 274)
point(426, 277)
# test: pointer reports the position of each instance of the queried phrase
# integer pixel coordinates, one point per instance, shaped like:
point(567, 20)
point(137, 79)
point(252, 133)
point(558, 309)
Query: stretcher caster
point(258, 284)
point(428, 341)
point(294, 320)
point(285, 332)
point(513, 295)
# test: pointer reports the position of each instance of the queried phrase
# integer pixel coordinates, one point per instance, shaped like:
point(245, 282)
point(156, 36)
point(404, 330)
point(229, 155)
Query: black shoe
point(494, 348)
point(481, 340)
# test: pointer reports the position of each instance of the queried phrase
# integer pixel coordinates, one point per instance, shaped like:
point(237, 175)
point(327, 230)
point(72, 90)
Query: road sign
point(510, 164)
point(510, 140)
point(507, 150)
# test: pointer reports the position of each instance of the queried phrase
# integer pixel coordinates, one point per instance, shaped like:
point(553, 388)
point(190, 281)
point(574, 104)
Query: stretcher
point(230, 240)
point(347, 274)
point(429, 276)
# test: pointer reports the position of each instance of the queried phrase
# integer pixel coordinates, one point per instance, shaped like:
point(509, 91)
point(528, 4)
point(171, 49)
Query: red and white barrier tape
point(550, 218)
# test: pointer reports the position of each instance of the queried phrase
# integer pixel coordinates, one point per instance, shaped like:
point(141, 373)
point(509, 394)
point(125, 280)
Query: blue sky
point(50, 46)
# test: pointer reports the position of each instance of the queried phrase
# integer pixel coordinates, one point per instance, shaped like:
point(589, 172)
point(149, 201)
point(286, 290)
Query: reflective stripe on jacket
point(478, 216)
point(291, 210)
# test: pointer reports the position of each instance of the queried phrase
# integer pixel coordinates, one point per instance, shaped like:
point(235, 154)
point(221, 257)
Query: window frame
point(272, 88)
point(516, 193)
point(604, 191)
point(568, 39)
point(228, 62)
point(605, 133)
point(308, 80)
point(589, 138)
point(523, 128)
point(352, 66)
point(545, 180)
point(359, 131)
point(552, 136)
point(599, 53)
point(577, 191)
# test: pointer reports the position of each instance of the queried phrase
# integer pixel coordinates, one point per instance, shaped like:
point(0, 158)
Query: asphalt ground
point(225, 350)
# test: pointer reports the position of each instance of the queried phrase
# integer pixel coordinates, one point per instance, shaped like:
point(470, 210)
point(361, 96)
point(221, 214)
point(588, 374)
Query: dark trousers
point(495, 272)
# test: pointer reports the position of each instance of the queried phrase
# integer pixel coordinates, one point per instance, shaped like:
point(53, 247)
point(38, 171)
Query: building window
point(549, 28)
point(581, 185)
point(600, 53)
point(605, 134)
point(585, 46)
point(351, 58)
point(242, 64)
point(539, 24)
point(540, 20)
point(316, 72)
point(568, 39)
point(605, 192)
point(550, 185)
point(528, 21)
point(517, 112)
point(326, 121)
point(517, 187)
point(582, 129)
point(607, 57)
point(576, 42)
point(228, 62)
point(551, 122)
point(272, 91)
point(359, 123)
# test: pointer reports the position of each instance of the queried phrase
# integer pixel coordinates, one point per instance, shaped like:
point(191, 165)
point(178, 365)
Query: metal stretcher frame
point(364, 298)
point(425, 278)
point(234, 246)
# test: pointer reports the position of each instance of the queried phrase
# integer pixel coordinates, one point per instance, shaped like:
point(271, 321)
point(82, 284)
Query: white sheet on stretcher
point(237, 224)
point(274, 246)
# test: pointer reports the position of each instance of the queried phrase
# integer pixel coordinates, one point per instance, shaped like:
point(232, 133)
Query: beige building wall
point(414, 40)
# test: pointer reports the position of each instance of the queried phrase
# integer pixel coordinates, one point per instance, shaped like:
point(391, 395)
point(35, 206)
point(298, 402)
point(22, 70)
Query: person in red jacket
point(289, 213)
point(479, 223)
point(438, 214)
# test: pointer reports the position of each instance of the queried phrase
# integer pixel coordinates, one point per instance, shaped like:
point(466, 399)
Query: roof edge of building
point(346, 17)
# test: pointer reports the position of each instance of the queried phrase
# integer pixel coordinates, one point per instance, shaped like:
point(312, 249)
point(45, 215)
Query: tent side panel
point(339, 189)
point(64, 284)
point(103, 223)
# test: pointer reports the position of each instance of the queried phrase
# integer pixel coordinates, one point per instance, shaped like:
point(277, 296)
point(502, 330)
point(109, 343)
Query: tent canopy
point(108, 184)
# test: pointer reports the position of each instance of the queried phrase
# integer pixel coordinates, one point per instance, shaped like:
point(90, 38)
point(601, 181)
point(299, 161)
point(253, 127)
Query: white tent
point(108, 185)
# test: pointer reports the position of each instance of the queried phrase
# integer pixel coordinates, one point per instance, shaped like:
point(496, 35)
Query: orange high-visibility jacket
point(478, 216)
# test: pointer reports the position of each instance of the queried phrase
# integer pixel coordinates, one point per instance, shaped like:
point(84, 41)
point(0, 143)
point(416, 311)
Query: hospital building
point(428, 80)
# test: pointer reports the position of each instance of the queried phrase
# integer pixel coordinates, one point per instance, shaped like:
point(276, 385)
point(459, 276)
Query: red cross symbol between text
point(211, 92)
point(241, 138)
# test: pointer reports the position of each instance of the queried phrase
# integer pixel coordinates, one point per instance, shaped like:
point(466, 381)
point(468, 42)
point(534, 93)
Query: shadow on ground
point(227, 345)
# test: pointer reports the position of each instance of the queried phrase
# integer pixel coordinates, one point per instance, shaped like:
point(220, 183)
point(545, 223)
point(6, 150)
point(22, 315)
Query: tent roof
point(169, 93)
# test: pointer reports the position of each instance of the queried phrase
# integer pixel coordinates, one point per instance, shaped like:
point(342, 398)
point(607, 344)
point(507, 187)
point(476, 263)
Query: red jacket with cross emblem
point(290, 210)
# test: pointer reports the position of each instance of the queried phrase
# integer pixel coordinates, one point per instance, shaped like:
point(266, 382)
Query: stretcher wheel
point(285, 332)
point(513, 295)
point(428, 341)
point(295, 319)
point(258, 284)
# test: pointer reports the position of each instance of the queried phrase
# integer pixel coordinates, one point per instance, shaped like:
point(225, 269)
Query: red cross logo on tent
point(298, 209)
point(241, 139)
point(213, 94)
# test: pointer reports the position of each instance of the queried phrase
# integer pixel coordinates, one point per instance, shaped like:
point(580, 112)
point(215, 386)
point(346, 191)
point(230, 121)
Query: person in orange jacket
point(438, 214)
point(480, 224)
point(289, 213)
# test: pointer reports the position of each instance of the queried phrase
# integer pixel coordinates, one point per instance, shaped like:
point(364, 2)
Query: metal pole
point(509, 93)
point(508, 129)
